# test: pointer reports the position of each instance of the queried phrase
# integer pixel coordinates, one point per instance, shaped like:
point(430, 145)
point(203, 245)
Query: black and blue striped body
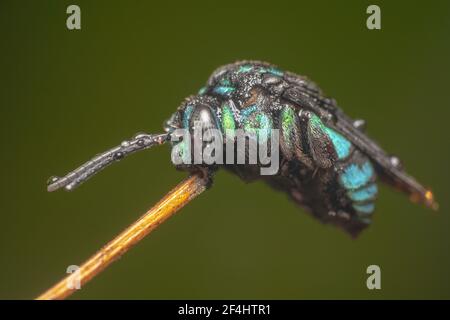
point(317, 161)
point(327, 164)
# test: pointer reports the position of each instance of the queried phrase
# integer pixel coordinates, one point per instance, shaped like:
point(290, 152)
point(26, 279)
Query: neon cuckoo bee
point(328, 165)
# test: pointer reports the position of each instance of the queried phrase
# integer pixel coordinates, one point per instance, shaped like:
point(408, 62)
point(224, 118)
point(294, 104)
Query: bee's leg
point(99, 162)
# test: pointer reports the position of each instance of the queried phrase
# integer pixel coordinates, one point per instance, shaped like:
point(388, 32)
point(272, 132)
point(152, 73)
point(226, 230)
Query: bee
point(328, 165)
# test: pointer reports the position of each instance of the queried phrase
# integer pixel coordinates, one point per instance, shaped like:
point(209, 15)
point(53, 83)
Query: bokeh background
point(66, 95)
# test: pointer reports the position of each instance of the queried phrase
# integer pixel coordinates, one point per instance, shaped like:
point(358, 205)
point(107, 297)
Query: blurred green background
point(66, 95)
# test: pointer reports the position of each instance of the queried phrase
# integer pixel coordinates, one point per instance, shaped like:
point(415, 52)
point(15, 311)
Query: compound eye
point(203, 116)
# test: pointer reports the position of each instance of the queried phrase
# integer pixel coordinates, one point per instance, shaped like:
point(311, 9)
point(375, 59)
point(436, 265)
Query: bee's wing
point(388, 166)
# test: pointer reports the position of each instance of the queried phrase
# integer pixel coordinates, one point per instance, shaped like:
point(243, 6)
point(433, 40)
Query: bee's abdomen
point(357, 178)
point(343, 190)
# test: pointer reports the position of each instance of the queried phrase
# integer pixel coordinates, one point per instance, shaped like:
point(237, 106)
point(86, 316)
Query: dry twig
point(166, 207)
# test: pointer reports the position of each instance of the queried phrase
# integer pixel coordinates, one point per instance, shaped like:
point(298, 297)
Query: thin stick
point(166, 207)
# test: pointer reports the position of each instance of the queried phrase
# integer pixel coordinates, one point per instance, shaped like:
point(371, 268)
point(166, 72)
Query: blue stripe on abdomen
point(363, 194)
point(355, 176)
point(341, 144)
point(356, 179)
point(366, 208)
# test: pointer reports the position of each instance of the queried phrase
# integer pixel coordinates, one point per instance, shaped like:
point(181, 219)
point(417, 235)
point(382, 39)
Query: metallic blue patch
point(245, 113)
point(275, 72)
point(364, 194)
point(245, 68)
point(341, 145)
point(260, 125)
point(262, 70)
point(265, 124)
point(223, 90)
point(355, 176)
point(187, 116)
point(364, 208)
point(264, 121)
point(225, 82)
